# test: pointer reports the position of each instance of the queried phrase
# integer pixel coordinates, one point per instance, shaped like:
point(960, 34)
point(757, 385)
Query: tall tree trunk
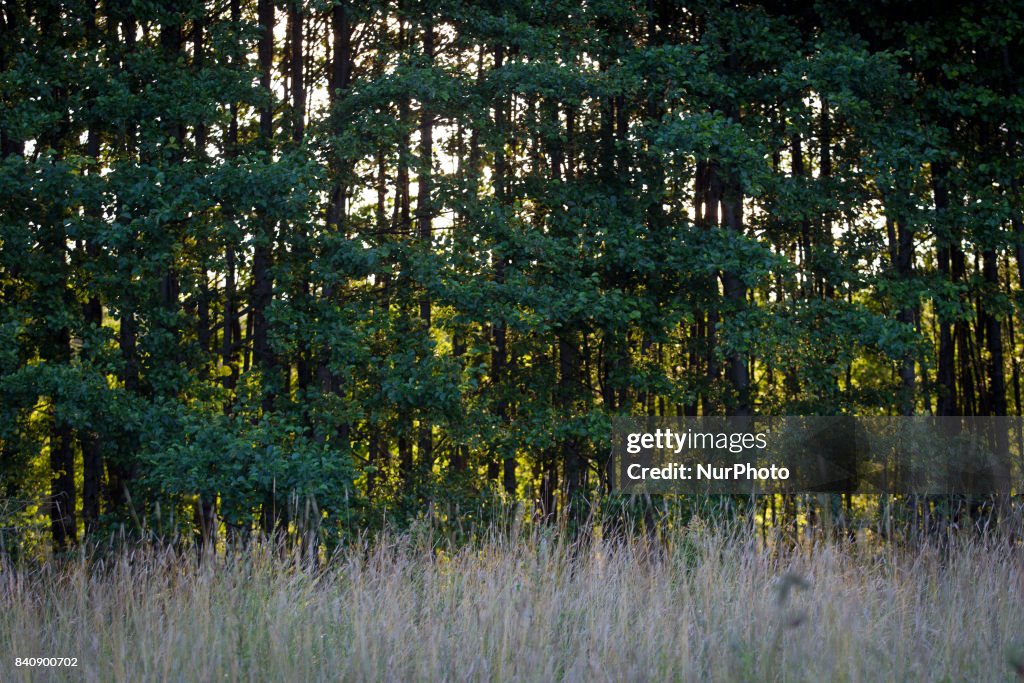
point(735, 295)
point(995, 369)
point(302, 253)
point(946, 372)
point(501, 461)
point(901, 246)
point(262, 280)
point(296, 38)
point(573, 460)
point(92, 315)
point(63, 499)
point(262, 285)
point(425, 226)
point(56, 351)
point(403, 219)
point(206, 505)
point(231, 338)
point(55, 344)
point(825, 173)
point(470, 174)
point(339, 80)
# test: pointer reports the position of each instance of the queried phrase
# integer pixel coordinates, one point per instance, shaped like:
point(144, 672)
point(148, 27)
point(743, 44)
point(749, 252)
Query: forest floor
point(704, 607)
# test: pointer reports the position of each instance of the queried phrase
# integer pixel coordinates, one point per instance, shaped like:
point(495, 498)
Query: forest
point(316, 317)
point(296, 269)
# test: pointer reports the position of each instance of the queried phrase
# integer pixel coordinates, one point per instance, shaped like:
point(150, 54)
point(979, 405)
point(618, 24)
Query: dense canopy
point(309, 265)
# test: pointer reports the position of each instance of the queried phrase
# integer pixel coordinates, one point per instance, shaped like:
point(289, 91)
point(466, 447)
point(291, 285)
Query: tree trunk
point(572, 449)
point(262, 291)
point(424, 224)
point(339, 79)
point(502, 461)
point(262, 285)
point(995, 369)
point(901, 246)
point(946, 372)
point(92, 315)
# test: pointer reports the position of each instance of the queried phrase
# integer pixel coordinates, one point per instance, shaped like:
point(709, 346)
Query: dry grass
point(709, 608)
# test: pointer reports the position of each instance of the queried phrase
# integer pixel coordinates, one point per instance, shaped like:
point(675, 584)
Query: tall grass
point(707, 607)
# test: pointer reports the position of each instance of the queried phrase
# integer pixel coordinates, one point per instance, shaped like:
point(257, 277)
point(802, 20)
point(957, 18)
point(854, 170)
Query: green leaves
point(485, 242)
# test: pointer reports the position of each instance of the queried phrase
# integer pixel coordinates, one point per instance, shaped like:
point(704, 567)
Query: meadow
point(706, 605)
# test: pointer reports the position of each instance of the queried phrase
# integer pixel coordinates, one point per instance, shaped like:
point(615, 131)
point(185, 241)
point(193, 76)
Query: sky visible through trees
point(295, 268)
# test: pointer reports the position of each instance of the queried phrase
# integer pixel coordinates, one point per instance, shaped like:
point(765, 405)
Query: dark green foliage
point(239, 287)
